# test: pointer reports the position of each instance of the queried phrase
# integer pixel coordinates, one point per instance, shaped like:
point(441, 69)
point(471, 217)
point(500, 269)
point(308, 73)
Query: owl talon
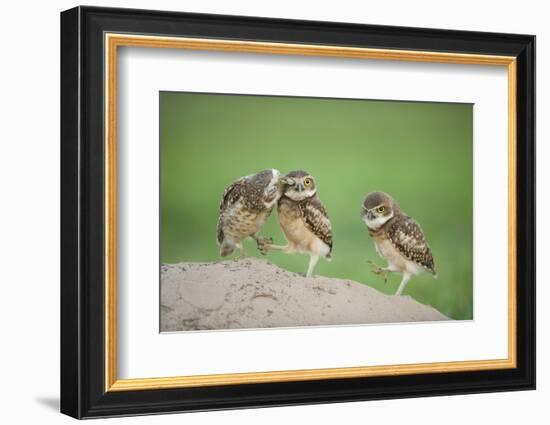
point(263, 243)
point(379, 271)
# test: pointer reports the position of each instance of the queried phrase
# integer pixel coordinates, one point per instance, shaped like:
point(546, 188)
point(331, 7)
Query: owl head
point(299, 185)
point(378, 208)
point(267, 184)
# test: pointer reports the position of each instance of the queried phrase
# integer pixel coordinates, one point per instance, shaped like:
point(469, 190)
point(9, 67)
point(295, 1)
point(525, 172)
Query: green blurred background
point(420, 153)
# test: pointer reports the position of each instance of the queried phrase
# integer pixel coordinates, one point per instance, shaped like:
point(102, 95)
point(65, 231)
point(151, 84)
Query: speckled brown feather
point(316, 219)
point(230, 195)
point(248, 191)
point(407, 237)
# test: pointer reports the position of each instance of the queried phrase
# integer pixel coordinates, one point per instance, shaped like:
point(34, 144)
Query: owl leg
point(406, 278)
point(240, 247)
point(261, 241)
point(266, 247)
point(312, 262)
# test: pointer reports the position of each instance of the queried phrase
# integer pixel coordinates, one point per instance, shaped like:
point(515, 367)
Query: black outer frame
point(82, 219)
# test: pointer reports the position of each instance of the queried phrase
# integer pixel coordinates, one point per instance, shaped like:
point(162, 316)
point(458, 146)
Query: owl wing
point(317, 221)
point(230, 196)
point(407, 237)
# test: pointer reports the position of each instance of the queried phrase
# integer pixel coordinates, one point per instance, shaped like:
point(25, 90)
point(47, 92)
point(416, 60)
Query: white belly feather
point(299, 237)
point(395, 259)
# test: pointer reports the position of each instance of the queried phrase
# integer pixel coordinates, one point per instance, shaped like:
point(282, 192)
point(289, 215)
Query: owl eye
point(381, 209)
point(307, 182)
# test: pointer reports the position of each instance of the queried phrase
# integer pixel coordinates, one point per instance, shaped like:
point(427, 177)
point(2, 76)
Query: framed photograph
point(261, 212)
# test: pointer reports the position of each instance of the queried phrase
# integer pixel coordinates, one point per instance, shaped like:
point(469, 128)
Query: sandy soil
point(253, 293)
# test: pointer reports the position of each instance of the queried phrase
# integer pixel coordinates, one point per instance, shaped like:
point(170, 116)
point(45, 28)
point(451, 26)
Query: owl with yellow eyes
point(303, 219)
point(398, 238)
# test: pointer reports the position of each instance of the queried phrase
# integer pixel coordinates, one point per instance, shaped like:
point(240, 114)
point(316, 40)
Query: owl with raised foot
point(398, 238)
point(303, 219)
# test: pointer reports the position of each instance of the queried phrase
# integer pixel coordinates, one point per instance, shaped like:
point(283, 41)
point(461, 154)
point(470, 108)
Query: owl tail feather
point(226, 248)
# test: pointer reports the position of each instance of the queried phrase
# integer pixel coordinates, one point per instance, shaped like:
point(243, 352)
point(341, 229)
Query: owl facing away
point(245, 207)
point(398, 238)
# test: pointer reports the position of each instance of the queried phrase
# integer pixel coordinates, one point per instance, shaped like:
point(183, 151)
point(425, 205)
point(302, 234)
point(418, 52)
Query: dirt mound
point(253, 293)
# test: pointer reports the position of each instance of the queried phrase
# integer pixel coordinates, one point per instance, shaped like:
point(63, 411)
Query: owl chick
point(303, 219)
point(245, 207)
point(397, 237)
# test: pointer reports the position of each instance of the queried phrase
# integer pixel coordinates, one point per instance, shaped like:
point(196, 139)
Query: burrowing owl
point(303, 219)
point(397, 237)
point(245, 207)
